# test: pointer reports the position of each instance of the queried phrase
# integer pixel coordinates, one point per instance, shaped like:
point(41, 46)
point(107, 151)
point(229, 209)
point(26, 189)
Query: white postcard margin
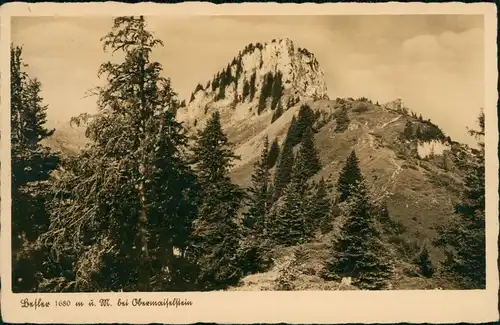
point(434, 306)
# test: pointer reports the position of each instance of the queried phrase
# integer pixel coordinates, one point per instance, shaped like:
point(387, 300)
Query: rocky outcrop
point(260, 79)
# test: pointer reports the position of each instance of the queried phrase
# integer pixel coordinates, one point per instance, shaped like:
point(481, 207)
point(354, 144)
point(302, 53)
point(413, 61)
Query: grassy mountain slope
point(420, 191)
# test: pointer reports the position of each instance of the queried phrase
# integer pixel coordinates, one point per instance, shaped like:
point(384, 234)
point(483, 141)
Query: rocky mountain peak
point(261, 78)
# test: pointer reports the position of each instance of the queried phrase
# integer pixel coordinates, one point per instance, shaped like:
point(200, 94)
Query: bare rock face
point(259, 79)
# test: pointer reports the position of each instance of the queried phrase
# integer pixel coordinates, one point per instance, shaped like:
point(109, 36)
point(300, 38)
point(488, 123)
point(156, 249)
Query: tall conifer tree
point(216, 230)
point(289, 223)
point(265, 93)
point(306, 164)
point(31, 166)
point(320, 214)
point(292, 135)
point(342, 119)
point(306, 119)
point(259, 192)
point(252, 86)
point(246, 90)
point(277, 90)
point(274, 152)
point(307, 155)
point(424, 263)
point(349, 175)
point(284, 167)
point(358, 251)
point(464, 237)
point(127, 202)
point(278, 112)
point(285, 162)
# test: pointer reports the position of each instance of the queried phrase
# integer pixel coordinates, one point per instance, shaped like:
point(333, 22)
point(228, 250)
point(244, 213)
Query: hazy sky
point(434, 63)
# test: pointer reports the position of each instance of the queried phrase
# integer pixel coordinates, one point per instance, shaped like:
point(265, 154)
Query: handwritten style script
point(39, 303)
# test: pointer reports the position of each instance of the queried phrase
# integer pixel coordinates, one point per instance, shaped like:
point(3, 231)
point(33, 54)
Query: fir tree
point(307, 155)
point(215, 82)
point(222, 92)
point(31, 166)
point(265, 93)
point(305, 164)
point(383, 215)
point(224, 80)
point(274, 152)
point(262, 103)
point(277, 113)
point(320, 214)
point(306, 119)
point(216, 230)
point(358, 251)
point(464, 237)
point(28, 114)
point(342, 120)
point(424, 263)
point(229, 75)
point(284, 167)
point(285, 162)
point(293, 136)
point(246, 90)
point(408, 130)
point(198, 88)
point(445, 163)
point(418, 133)
point(297, 128)
point(276, 90)
point(252, 86)
point(349, 175)
point(260, 196)
point(127, 202)
point(268, 83)
point(238, 71)
point(299, 210)
point(289, 270)
point(289, 224)
point(213, 154)
point(259, 193)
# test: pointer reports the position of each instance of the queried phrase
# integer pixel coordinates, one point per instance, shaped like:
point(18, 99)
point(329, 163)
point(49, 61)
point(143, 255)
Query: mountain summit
point(263, 77)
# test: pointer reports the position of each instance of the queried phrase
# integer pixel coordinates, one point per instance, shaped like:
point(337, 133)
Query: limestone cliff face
point(259, 79)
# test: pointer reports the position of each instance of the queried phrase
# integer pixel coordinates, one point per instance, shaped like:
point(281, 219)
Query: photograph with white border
point(249, 163)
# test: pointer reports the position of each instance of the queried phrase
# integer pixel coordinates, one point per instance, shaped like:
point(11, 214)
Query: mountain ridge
point(258, 79)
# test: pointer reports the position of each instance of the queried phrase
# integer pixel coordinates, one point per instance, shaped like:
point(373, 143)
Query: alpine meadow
point(257, 180)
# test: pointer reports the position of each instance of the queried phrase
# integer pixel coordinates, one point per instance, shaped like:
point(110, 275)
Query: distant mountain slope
point(68, 138)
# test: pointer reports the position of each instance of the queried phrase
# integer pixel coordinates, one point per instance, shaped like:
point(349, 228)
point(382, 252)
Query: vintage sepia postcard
point(249, 163)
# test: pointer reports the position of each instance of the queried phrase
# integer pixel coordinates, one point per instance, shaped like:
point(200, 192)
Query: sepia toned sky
point(434, 63)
